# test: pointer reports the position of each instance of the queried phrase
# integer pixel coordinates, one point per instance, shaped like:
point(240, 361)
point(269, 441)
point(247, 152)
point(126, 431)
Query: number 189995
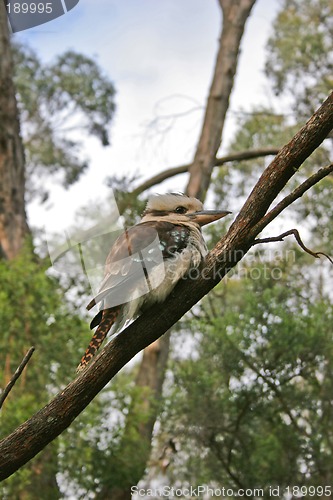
point(29, 8)
point(311, 491)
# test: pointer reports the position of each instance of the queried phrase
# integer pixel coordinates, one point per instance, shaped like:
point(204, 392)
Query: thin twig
point(299, 241)
point(288, 200)
point(16, 375)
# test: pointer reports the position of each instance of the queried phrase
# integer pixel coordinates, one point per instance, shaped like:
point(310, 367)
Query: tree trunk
point(151, 374)
point(235, 15)
point(13, 223)
point(13, 220)
point(150, 380)
point(155, 357)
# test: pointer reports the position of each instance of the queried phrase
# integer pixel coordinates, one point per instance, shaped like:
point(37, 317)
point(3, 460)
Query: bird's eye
point(180, 210)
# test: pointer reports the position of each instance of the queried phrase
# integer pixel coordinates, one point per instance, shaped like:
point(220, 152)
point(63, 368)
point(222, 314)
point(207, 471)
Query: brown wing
point(134, 254)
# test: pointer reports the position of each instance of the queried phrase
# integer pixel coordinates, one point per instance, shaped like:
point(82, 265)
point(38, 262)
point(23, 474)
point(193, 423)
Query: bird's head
point(179, 209)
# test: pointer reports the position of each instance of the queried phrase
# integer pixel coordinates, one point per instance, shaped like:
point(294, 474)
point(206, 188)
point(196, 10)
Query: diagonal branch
point(34, 434)
point(16, 375)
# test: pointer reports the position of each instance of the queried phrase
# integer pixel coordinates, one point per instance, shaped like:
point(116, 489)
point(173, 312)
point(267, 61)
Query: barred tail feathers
point(108, 318)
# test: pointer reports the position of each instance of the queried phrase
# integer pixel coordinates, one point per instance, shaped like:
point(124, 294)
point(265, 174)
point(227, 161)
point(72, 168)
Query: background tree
point(57, 102)
point(300, 54)
point(13, 220)
point(46, 99)
point(262, 372)
point(33, 312)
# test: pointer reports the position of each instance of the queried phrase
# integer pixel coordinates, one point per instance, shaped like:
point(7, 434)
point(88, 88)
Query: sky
point(160, 57)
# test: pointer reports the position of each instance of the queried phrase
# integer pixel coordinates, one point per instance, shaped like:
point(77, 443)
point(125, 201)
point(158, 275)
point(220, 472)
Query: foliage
point(92, 454)
point(300, 53)
point(317, 210)
point(234, 181)
point(56, 101)
point(32, 312)
point(107, 453)
point(262, 373)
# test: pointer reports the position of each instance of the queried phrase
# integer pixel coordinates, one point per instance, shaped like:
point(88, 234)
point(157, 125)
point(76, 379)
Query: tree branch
point(249, 154)
point(34, 434)
point(16, 375)
point(316, 255)
point(234, 18)
point(294, 195)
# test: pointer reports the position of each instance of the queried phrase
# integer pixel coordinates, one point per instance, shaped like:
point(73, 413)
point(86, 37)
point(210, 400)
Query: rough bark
point(34, 434)
point(235, 15)
point(13, 220)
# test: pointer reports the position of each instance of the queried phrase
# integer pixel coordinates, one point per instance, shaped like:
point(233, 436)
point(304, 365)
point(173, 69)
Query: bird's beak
point(207, 216)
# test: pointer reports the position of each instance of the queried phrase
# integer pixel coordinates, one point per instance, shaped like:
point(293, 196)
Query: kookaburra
point(147, 261)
